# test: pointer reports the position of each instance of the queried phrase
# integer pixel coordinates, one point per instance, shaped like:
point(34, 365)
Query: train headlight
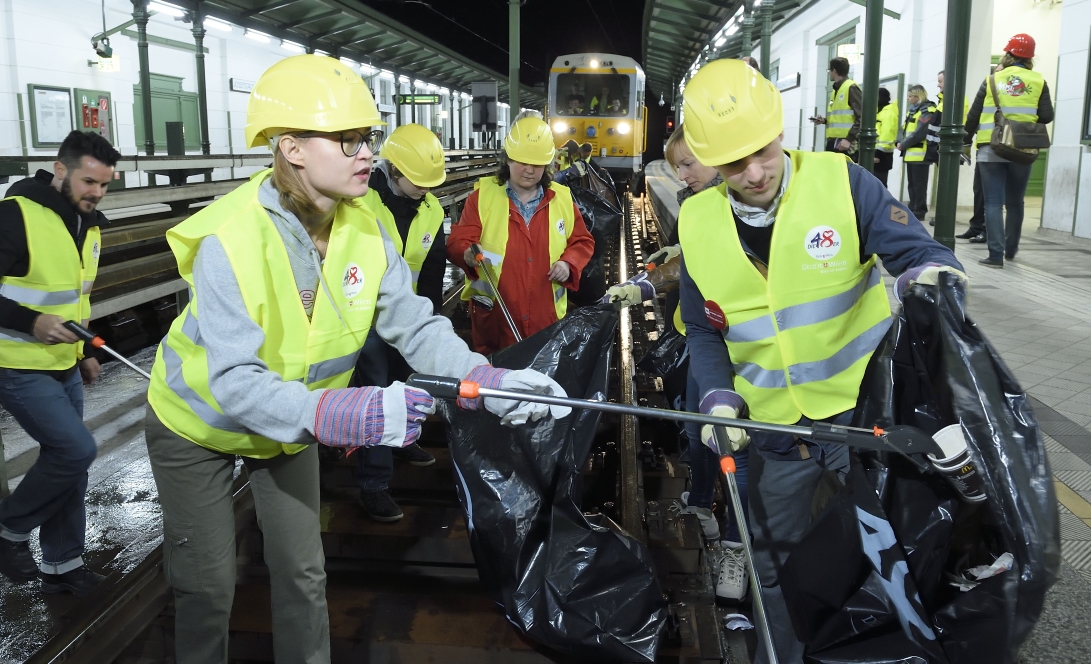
point(594, 64)
point(623, 128)
point(560, 126)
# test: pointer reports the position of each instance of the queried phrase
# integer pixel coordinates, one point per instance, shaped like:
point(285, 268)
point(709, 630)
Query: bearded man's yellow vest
point(492, 206)
point(58, 282)
point(800, 340)
point(319, 351)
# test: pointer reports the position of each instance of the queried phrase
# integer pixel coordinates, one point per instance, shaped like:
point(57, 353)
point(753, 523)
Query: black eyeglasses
point(352, 140)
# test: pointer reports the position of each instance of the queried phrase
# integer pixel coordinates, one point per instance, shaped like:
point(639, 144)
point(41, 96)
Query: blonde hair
point(676, 148)
point(1008, 60)
point(918, 91)
point(289, 184)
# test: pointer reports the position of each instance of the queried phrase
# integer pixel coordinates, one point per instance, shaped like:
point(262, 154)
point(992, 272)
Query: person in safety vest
point(533, 238)
point(845, 108)
point(732, 580)
point(50, 244)
point(783, 307)
point(917, 150)
point(399, 194)
point(576, 171)
point(886, 121)
point(1022, 96)
point(288, 274)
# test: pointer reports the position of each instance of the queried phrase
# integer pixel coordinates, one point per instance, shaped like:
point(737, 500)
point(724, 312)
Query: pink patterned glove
point(368, 416)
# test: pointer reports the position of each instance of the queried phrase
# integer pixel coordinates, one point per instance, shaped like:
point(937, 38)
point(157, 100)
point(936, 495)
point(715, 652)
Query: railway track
point(409, 591)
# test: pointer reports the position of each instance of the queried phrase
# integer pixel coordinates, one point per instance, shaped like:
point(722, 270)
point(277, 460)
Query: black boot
point(17, 562)
point(969, 235)
point(380, 506)
point(80, 581)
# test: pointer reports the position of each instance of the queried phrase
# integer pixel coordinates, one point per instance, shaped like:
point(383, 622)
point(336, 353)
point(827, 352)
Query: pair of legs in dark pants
point(378, 365)
point(704, 467)
point(977, 222)
point(1005, 185)
point(51, 495)
point(916, 173)
point(884, 162)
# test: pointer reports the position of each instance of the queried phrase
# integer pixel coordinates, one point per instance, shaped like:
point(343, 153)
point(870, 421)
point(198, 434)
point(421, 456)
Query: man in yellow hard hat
point(781, 323)
point(531, 234)
point(399, 193)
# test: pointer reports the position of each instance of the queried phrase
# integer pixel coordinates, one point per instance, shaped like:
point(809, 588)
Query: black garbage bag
point(603, 220)
point(579, 588)
point(669, 359)
point(900, 532)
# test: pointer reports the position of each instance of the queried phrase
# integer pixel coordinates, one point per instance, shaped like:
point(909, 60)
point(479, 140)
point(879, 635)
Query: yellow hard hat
point(417, 153)
point(731, 111)
point(530, 141)
point(310, 93)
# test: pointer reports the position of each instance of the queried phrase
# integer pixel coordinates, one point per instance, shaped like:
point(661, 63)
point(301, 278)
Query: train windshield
point(593, 94)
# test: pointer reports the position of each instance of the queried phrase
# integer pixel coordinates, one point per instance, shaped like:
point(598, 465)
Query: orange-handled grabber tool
point(479, 256)
point(98, 342)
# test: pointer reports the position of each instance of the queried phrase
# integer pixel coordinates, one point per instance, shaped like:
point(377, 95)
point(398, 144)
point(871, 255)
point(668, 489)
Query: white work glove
point(628, 293)
point(514, 413)
point(723, 403)
point(354, 417)
point(665, 255)
point(927, 274)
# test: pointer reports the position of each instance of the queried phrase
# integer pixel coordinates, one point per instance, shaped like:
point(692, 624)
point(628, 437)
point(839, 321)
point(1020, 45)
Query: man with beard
point(49, 253)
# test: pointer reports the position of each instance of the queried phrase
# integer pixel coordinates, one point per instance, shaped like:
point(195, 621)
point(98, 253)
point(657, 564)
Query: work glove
point(368, 416)
point(665, 255)
point(628, 293)
point(514, 413)
point(927, 274)
point(723, 403)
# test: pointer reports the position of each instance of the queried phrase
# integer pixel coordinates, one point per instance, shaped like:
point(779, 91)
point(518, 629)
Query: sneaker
point(1009, 255)
point(980, 239)
point(992, 262)
point(17, 562)
point(709, 525)
point(380, 506)
point(414, 455)
point(969, 235)
point(80, 581)
point(732, 583)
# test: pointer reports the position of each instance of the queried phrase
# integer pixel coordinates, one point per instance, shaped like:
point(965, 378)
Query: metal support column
point(766, 36)
point(873, 44)
point(140, 15)
point(202, 96)
point(747, 32)
point(513, 55)
point(951, 129)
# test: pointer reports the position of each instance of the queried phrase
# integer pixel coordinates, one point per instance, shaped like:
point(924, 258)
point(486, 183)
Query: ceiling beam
point(273, 8)
point(310, 19)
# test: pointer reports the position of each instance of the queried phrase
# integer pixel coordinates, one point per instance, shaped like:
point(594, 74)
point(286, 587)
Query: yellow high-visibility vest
point(58, 282)
point(840, 118)
point(800, 340)
point(1019, 89)
point(887, 127)
point(912, 120)
point(492, 206)
point(422, 231)
point(320, 351)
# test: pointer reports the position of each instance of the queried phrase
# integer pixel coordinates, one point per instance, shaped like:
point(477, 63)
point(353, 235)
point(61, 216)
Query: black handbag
point(1015, 140)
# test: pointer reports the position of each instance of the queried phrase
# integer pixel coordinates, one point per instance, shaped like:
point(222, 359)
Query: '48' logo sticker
point(822, 243)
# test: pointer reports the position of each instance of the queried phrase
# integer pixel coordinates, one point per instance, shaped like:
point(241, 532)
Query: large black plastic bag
point(578, 588)
point(669, 359)
point(934, 368)
point(603, 220)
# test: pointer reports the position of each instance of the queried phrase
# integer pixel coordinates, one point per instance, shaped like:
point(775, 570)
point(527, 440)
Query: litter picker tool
point(486, 269)
point(98, 342)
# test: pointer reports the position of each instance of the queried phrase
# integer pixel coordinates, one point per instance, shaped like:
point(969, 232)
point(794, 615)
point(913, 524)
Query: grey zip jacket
point(259, 399)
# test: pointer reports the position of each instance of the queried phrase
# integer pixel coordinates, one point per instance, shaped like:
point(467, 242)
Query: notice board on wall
point(50, 114)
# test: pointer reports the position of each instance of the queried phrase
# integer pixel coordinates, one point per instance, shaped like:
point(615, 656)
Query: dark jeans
point(1005, 184)
point(51, 494)
point(380, 365)
point(886, 162)
point(977, 222)
point(704, 467)
point(831, 146)
point(917, 175)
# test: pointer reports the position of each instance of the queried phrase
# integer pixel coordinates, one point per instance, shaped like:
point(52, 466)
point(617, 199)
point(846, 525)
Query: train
point(598, 98)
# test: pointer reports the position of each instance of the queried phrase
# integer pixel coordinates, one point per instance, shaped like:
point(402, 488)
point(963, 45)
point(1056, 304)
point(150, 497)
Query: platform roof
point(351, 30)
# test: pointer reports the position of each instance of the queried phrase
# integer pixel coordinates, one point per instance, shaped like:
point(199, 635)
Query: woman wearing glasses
point(287, 275)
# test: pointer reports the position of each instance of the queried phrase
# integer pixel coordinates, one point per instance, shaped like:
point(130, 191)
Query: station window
point(593, 94)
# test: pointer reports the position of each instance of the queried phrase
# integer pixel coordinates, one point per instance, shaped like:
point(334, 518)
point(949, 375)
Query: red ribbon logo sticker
point(352, 281)
point(715, 315)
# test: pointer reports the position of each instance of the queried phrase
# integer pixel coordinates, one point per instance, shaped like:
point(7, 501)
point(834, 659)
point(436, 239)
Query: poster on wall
point(50, 115)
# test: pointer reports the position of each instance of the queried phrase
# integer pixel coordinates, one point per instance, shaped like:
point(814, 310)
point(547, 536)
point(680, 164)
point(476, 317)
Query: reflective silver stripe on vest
point(933, 127)
point(839, 125)
point(934, 139)
point(558, 293)
point(752, 330)
point(828, 308)
point(330, 368)
point(15, 335)
point(841, 111)
point(986, 126)
point(416, 275)
point(1019, 110)
point(850, 353)
point(177, 383)
point(482, 287)
point(39, 298)
point(87, 286)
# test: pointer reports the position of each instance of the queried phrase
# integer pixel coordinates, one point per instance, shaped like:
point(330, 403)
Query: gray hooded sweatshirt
point(259, 399)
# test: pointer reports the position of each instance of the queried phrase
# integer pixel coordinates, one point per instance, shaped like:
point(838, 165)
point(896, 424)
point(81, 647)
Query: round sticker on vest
point(822, 243)
point(715, 315)
point(560, 226)
point(426, 241)
point(95, 250)
point(352, 282)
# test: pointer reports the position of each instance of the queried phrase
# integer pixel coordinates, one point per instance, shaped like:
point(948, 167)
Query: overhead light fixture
point(403, 79)
point(217, 24)
point(732, 30)
point(389, 75)
point(168, 9)
point(661, 100)
point(321, 52)
point(443, 115)
point(444, 91)
point(351, 63)
point(721, 41)
point(257, 36)
point(292, 46)
point(465, 95)
point(367, 69)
